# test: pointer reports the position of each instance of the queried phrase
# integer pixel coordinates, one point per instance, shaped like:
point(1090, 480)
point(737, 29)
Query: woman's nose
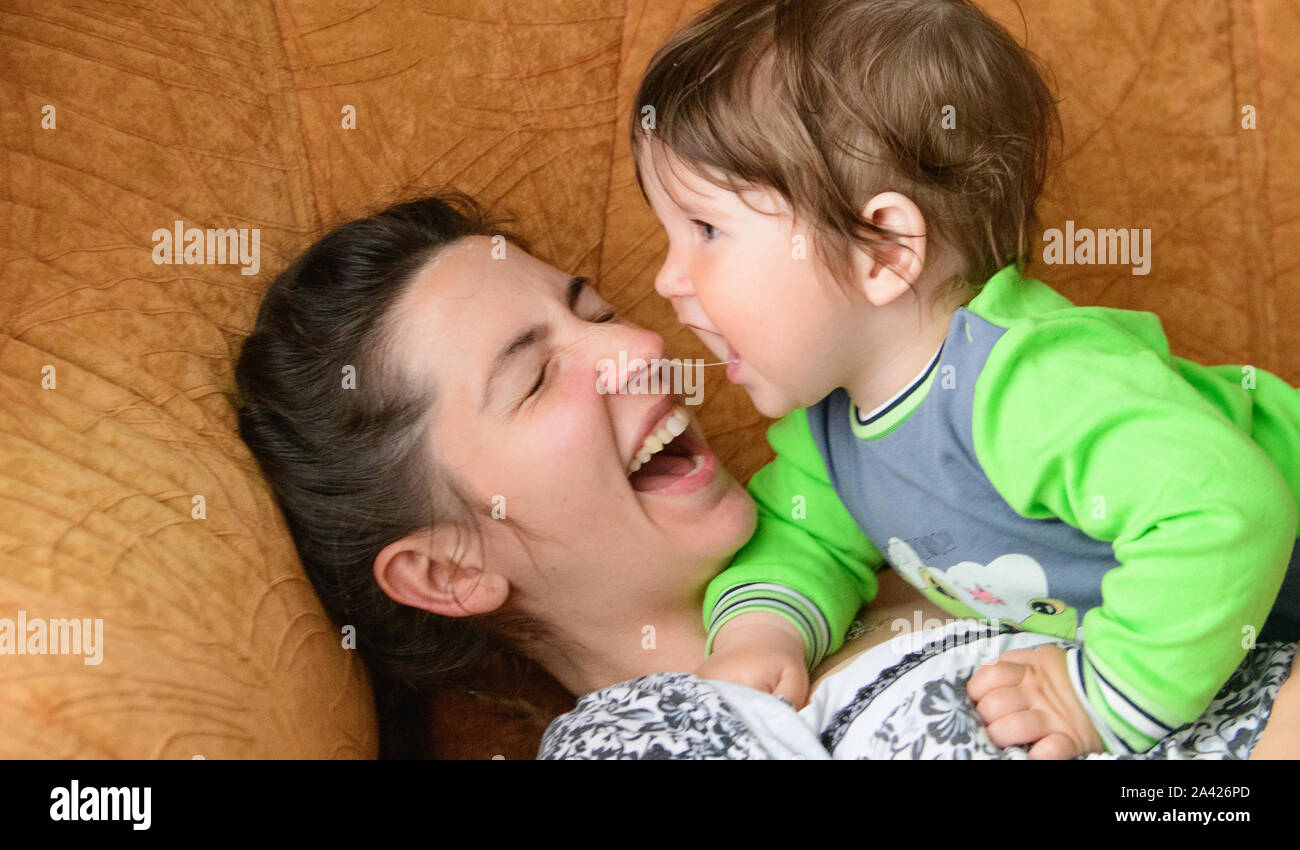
point(625, 355)
point(644, 344)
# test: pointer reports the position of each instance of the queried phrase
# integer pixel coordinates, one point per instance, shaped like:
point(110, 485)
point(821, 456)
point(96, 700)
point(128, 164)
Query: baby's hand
point(1025, 697)
point(762, 650)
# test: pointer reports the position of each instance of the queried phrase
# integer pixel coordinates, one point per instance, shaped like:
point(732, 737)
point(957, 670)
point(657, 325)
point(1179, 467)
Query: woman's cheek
point(574, 426)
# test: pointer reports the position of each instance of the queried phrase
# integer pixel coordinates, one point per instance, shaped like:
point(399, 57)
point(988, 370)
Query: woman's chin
point(740, 505)
point(726, 526)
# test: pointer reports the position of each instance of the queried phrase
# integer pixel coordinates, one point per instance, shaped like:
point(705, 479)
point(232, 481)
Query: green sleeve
point(808, 560)
point(1079, 418)
point(1260, 404)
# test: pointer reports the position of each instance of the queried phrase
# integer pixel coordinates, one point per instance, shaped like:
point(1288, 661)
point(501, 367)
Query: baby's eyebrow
point(706, 207)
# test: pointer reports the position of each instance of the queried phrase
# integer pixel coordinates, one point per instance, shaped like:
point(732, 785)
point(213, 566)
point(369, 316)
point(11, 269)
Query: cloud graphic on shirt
point(1003, 587)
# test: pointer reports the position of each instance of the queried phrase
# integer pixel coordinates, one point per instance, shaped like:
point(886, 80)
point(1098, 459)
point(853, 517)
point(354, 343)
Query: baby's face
point(750, 288)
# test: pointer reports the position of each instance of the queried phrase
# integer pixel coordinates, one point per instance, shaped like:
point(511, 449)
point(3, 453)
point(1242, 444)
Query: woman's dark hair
point(342, 438)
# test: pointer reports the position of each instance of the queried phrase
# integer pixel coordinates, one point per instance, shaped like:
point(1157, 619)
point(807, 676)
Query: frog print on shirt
point(1011, 590)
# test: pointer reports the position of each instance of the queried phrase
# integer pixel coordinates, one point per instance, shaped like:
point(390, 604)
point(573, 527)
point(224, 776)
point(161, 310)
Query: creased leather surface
point(227, 114)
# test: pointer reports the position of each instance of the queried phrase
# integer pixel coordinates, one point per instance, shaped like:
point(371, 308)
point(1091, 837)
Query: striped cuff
point(763, 596)
point(1124, 726)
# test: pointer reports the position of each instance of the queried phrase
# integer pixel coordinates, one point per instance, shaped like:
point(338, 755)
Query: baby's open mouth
point(668, 454)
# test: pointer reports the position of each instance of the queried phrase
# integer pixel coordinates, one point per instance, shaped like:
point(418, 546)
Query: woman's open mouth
point(671, 459)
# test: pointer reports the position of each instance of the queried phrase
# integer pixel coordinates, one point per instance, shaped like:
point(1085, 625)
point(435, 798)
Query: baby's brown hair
point(830, 102)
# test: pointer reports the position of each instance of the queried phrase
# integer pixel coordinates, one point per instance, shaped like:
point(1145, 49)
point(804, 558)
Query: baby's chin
point(775, 401)
point(769, 401)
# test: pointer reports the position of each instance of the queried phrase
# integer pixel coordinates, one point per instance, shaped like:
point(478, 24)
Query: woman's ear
point(421, 570)
point(876, 275)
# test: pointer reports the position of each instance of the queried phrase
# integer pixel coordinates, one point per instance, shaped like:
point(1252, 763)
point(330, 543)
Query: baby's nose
point(671, 284)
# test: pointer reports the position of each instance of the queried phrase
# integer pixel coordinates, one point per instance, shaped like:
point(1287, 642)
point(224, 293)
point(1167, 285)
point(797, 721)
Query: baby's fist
point(1025, 698)
point(763, 651)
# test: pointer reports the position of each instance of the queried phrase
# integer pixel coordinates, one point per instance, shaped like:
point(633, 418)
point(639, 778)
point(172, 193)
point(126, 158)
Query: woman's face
point(512, 347)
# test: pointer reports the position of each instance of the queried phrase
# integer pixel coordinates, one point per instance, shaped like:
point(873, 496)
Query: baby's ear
point(896, 267)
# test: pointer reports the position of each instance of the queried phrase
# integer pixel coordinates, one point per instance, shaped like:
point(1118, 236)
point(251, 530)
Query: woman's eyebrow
point(527, 338)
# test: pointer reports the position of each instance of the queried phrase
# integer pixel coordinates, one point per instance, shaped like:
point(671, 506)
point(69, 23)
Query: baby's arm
point(787, 598)
point(1078, 421)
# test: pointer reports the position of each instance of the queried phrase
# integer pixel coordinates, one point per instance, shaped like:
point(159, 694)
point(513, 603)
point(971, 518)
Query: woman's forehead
point(466, 298)
point(479, 272)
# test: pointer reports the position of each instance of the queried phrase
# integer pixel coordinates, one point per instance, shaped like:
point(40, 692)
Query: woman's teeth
point(672, 426)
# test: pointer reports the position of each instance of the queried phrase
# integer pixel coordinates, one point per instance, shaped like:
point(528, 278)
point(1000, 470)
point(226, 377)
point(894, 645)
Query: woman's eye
point(607, 316)
point(541, 379)
point(710, 232)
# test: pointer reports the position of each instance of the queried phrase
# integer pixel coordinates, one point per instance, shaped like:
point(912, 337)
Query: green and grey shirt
point(1054, 469)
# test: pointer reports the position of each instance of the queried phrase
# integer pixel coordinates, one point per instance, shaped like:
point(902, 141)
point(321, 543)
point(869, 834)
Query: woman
point(422, 395)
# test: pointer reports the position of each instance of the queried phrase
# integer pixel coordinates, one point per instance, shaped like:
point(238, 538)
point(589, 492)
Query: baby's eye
point(710, 232)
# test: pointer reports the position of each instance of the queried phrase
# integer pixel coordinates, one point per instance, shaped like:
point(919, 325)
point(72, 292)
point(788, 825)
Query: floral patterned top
point(905, 699)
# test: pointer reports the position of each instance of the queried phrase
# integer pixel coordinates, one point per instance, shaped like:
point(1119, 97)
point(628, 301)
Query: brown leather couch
point(116, 372)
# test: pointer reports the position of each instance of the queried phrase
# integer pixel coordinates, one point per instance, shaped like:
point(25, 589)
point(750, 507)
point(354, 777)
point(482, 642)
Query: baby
point(849, 190)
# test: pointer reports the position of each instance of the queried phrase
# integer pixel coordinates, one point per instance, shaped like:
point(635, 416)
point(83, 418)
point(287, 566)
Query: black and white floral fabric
point(904, 699)
point(662, 716)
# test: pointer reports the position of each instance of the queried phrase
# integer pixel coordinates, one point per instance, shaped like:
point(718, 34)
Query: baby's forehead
point(665, 173)
point(700, 189)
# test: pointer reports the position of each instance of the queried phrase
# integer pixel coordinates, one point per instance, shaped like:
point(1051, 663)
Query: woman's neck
point(669, 640)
